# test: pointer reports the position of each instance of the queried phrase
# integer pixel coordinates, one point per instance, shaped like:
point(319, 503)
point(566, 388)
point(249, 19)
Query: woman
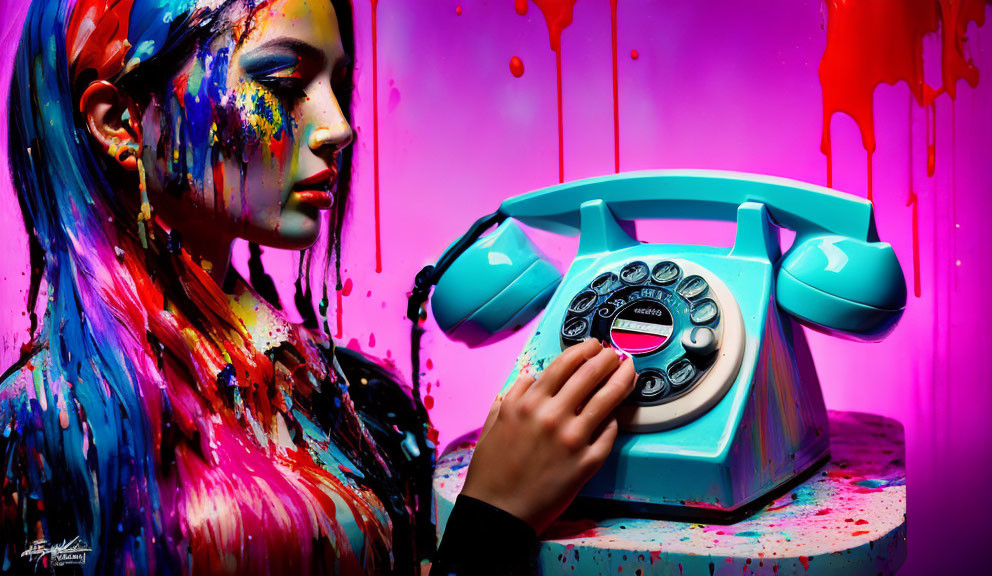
point(163, 413)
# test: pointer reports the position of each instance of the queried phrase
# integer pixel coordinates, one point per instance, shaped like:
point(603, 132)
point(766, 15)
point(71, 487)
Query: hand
point(548, 436)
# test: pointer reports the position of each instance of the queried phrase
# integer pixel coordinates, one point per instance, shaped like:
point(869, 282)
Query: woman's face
point(244, 141)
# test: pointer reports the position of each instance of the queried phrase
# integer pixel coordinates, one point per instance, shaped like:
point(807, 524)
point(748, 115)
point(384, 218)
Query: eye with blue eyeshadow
point(286, 88)
point(277, 72)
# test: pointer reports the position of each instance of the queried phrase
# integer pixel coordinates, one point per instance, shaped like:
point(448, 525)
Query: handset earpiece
point(487, 286)
point(841, 285)
point(499, 283)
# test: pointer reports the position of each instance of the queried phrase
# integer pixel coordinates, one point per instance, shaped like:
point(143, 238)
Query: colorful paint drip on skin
point(870, 43)
point(265, 115)
point(848, 518)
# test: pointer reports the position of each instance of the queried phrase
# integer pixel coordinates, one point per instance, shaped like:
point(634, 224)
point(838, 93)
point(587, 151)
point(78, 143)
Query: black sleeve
point(399, 427)
point(485, 540)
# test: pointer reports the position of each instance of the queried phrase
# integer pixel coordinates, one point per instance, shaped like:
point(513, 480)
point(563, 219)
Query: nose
point(334, 138)
point(331, 129)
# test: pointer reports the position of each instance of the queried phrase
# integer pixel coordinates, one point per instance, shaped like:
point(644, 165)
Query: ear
point(113, 120)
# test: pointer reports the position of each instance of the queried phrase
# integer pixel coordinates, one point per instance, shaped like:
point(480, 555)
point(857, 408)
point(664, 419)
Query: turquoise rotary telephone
point(727, 410)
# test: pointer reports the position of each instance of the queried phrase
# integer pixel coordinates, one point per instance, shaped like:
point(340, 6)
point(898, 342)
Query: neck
point(208, 248)
point(206, 244)
point(211, 251)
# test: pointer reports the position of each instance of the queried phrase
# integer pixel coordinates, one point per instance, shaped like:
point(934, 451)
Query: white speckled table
point(848, 518)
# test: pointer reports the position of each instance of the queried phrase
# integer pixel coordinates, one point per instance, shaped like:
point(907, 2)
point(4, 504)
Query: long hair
point(155, 427)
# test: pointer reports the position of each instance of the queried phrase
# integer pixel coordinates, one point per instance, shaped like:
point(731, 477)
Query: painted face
point(244, 141)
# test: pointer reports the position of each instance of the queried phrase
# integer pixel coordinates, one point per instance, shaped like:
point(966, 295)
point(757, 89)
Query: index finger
point(564, 365)
point(610, 395)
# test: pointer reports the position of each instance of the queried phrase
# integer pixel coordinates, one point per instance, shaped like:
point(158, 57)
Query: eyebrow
point(302, 49)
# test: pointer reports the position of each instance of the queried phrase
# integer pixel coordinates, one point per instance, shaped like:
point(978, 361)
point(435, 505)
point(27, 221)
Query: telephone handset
point(727, 406)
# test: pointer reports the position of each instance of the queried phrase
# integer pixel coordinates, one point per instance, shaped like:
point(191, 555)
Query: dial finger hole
point(692, 287)
point(652, 385)
point(604, 282)
point(575, 329)
point(680, 373)
point(583, 302)
point(665, 272)
point(704, 312)
point(634, 273)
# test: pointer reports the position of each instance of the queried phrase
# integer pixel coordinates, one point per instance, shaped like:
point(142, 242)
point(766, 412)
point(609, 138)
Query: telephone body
point(727, 407)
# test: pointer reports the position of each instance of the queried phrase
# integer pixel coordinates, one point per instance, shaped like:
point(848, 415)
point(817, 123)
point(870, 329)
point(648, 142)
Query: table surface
point(848, 518)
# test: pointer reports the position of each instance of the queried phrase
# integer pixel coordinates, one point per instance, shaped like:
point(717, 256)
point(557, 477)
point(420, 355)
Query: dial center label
point(641, 327)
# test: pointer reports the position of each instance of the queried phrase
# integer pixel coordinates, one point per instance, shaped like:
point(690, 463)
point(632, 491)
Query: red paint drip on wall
point(869, 43)
point(931, 137)
point(516, 66)
point(616, 89)
point(339, 311)
point(558, 16)
point(914, 203)
point(337, 316)
point(375, 138)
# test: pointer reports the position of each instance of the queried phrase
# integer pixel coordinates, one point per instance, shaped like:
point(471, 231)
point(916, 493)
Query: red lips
point(319, 180)
point(316, 189)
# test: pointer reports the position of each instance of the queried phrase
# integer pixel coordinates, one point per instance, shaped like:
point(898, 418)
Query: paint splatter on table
point(848, 518)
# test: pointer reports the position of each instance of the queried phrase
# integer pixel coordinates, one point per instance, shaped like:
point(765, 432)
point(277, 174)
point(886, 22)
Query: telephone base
point(587, 507)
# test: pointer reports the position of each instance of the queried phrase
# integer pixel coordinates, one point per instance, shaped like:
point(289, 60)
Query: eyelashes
point(287, 88)
point(289, 84)
point(290, 89)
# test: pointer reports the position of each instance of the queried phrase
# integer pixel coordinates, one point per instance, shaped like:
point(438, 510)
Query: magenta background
point(716, 85)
